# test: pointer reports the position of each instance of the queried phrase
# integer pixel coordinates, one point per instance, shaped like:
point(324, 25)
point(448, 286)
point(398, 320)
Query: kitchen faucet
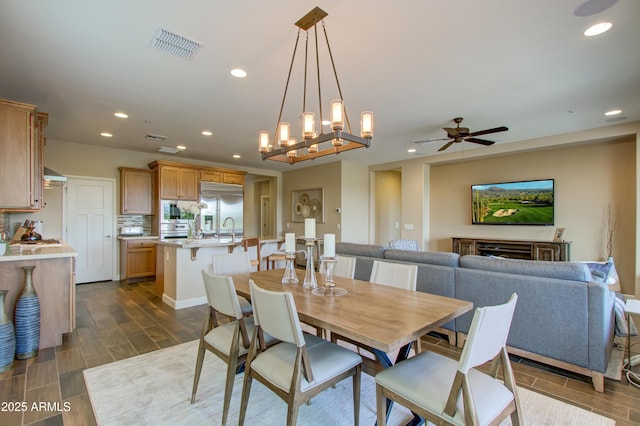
point(233, 227)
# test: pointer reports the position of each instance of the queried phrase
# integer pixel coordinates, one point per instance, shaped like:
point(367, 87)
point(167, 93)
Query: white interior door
point(90, 221)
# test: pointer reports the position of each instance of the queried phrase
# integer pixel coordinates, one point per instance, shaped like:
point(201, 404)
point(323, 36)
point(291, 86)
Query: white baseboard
point(182, 304)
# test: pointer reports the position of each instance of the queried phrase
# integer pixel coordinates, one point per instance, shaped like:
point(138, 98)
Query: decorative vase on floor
point(27, 318)
point(7, 336)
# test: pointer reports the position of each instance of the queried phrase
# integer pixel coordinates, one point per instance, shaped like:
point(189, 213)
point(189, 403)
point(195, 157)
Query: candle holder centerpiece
point(310, 272)
point(328, 287)
point(290, 276)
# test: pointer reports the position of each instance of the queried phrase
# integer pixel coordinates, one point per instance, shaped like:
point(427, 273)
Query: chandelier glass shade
point(314, 144)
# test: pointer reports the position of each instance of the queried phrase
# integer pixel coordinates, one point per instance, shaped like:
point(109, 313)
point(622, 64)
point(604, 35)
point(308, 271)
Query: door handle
point(107, 236)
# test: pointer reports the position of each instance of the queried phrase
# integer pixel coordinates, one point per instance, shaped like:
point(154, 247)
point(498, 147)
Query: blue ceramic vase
point(7, 336)
point(27, 318)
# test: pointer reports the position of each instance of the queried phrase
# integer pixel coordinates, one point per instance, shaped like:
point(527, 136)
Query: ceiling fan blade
point(480, 141)
point(486, 132)
point(446, 146)
point(431, 140)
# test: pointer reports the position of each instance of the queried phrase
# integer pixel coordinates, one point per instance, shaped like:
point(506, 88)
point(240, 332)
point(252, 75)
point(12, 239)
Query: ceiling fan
point(460, 134)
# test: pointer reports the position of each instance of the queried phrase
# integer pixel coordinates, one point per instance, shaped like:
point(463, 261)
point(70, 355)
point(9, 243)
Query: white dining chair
point(230, 341)
point(233, 263)
point(345, 267)
point(400, 275)
point(299, 366)
point(445, 391)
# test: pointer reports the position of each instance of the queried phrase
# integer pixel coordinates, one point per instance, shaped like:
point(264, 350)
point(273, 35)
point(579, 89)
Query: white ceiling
point(417, 64)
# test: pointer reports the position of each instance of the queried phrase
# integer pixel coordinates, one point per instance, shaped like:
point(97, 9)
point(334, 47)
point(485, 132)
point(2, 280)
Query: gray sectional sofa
point(563, 318)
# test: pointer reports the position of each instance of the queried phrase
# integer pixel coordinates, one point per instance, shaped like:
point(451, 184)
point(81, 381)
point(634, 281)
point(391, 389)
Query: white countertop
point(208, 242)
point(14, 253)
point(138, 237)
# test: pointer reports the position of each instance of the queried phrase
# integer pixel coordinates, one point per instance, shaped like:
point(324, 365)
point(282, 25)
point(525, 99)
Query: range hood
point(52, 178)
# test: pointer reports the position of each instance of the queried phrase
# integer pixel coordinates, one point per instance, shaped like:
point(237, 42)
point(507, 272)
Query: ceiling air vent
point(168, 150)
point(174, 44)
point(157, 138)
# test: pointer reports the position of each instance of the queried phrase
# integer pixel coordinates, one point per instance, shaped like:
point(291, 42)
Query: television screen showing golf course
point(513, 203)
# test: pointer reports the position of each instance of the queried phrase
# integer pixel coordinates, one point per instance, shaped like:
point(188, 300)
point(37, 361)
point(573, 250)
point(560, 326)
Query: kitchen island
point(54, 282)
point(179, 264)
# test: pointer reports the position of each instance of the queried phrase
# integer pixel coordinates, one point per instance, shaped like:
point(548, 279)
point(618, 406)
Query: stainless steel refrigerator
point(223, 201)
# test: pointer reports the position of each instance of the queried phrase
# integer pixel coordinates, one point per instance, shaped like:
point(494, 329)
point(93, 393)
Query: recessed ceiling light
point(411, 150)
point(236, 156)
point(326, 122)
point(596, 29)
point(181, 147)
point(613, 112)
point(237, 72)
point(121, 115)
point(106, 134)
point(207, 133)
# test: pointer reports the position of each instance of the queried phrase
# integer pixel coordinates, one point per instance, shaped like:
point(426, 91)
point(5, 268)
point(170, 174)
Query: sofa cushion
point(573, 271)
point(430, 257)
point(355, 249)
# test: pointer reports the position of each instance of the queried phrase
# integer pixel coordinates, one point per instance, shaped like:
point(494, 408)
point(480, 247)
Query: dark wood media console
point(514, 249)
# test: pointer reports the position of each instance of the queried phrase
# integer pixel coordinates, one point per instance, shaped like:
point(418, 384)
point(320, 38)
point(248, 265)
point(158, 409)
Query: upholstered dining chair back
point(488, 334)
point(448, 392)
point(400, 275)
point(345, 267)
point(276, 314)
point(221, 294)
point(231, 263)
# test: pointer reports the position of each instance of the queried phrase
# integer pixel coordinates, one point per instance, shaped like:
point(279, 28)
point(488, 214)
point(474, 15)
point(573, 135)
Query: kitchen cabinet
point(177, 182)
point(136, 191)
point(22, 139)
point(137, 258)
point(222, 176)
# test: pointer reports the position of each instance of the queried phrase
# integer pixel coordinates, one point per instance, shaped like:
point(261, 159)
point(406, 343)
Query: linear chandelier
point(336, 140)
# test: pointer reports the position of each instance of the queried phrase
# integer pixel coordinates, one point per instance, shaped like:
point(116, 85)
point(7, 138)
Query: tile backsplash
point(135, 220)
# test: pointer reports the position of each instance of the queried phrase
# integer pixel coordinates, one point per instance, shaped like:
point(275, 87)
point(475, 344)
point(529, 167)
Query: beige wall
point(588, 179)
point(327, 176)
point(355, 215)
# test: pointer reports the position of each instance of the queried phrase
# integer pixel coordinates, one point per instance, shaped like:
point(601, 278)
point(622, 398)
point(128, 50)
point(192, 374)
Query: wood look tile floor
point(116, 321)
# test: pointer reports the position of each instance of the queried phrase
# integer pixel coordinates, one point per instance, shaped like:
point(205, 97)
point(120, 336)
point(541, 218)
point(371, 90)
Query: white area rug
point(155, 389)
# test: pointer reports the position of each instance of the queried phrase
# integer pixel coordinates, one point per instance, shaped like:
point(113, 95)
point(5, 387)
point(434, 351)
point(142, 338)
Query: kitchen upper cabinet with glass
point(22, 140)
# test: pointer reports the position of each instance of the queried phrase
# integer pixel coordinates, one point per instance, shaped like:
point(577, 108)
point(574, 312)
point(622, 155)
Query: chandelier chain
point(286, 87)
point(335, 73)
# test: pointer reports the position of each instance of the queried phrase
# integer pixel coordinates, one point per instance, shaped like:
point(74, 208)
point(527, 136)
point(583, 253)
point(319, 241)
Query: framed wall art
point(307, 203)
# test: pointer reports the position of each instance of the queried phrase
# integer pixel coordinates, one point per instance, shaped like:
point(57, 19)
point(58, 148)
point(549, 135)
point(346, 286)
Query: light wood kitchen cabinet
point(177, 182)
point(136, 191)
point(21, 162)
point(137, 258)
point(222, 176)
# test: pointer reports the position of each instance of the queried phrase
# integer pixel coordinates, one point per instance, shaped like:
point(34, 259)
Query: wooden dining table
point(381, 317)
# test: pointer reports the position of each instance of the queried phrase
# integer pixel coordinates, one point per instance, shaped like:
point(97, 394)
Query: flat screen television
point(513, 203)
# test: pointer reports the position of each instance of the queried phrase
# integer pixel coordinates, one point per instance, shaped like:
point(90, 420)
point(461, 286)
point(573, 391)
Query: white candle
point(329, 245)
point(310, 228)
point(290, 242)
